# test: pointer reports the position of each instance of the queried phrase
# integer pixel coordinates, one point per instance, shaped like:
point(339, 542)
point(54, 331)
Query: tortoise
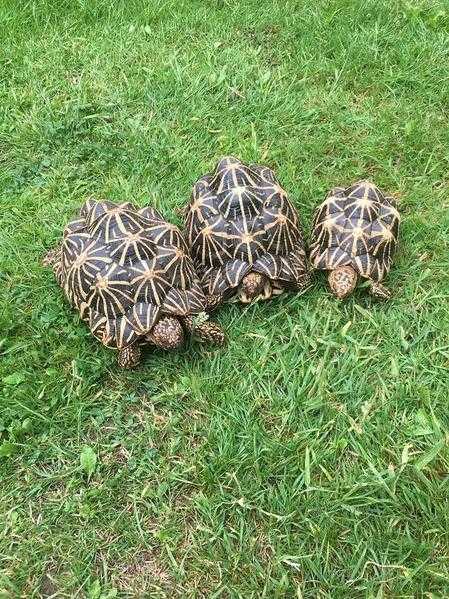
point(355, 233)
point(244, 234)
point(128, 273)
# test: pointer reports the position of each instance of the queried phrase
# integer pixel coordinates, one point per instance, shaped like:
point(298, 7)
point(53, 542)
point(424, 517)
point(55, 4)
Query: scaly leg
point(203, 329)
point(128, 357)
point(212, 302)
point(53, 258)
point(379, 291)
point(268, 290)
point(303, 282)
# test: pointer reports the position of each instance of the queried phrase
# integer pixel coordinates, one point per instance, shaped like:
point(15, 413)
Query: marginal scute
point(120, 332)
point(72, 246)
point(143, 316)
point(195, 298)
point(217, 281)
point(234, 271)
point(356, 226)
point(74, 226)
point(96, 321)
point(176, 302)
point(240, 219)
point(151, 214)
point(277, 268)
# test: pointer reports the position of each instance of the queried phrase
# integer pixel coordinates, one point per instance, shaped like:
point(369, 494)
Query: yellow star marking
point(206, 232)
point(281, 219)
point(102, 283)
point(364, 202)
point(196, 204)
point(330, 224)
point(80, 260)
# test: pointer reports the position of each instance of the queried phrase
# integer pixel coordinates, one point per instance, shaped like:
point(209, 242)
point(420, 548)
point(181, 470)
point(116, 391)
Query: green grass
point(309, 458)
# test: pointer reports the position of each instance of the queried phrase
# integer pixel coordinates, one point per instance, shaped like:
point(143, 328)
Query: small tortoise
point(355, 232)
point(244, 234)
point(129, 274)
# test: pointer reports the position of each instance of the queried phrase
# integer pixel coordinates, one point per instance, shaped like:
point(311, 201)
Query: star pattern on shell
point(357, 226)
point(240, 218)
point(123, 268)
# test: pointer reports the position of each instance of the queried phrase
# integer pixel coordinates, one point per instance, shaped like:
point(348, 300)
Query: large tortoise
point(244, 234)
point(129, 274)
point(355, 233)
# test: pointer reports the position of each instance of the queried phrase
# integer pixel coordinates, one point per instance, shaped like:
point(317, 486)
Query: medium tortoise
point(244, 234)
point(129, 274)
point(355, 233)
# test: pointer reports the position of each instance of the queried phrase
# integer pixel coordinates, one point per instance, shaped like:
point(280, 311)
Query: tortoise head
point(167, 333)
point(253, 286)
point(342, 281)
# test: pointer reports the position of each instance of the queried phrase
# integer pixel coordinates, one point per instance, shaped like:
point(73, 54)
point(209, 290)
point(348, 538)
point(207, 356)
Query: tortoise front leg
point(200, 327)
point(212, 302)
point(270, 289)
point(128, 357)
point(379, 291)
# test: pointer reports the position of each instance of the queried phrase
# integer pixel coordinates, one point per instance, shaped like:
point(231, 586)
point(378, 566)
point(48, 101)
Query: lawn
point(310, 456)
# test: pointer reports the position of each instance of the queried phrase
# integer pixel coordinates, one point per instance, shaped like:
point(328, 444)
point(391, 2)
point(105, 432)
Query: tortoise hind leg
point(203, 329)
point(379, 291)
point(304, 281)
point(128, 357)
point(53, 259)
point(302, 273)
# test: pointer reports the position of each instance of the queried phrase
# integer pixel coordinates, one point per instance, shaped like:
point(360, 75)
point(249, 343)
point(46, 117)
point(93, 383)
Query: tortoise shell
point(123, 268)
point(356, 226)
point(239, 220)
